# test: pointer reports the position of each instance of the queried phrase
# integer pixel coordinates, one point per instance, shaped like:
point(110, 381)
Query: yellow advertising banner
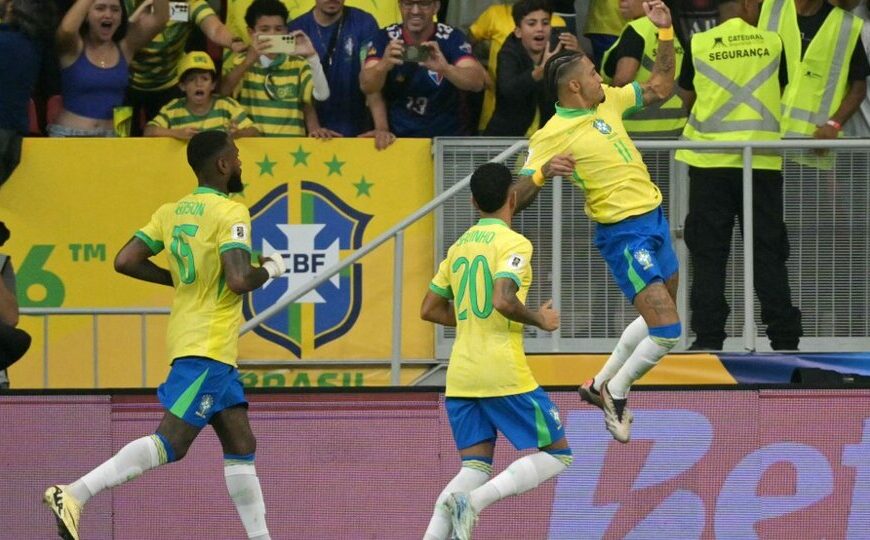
point(574, 369)
point(257, 377)
point(73, 203)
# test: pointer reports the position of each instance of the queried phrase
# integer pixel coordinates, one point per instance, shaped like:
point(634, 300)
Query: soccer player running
point(209, 240)
point(490, 388)
point(586, 141)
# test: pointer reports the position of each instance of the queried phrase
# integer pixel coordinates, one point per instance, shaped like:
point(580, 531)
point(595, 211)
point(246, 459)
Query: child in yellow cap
point(200, 109)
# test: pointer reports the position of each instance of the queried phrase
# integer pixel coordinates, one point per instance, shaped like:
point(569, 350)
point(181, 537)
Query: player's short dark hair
point(490, 185)
point(204, 147)
point(524, 7)
point(558, 66)
point(265, 8)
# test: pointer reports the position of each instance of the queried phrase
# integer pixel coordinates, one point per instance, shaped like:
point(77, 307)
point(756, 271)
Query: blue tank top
point(92, 91)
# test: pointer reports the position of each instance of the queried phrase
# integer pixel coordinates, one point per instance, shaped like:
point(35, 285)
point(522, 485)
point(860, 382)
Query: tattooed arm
point(660, 85)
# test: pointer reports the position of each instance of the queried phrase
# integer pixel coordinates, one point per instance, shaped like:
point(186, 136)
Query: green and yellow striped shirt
point(274, 96)
point(224, 110)
point(154, 65)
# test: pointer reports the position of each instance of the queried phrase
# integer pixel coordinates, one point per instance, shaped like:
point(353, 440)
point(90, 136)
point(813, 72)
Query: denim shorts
point(56, 130)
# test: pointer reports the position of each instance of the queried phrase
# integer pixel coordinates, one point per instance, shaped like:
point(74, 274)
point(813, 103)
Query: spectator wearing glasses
point(341, 35)
point(415, 72)
point(277, 88)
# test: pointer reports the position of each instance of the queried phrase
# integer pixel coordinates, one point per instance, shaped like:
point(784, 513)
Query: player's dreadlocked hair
point(490, 185)
point(556, 68)
point(203, 147)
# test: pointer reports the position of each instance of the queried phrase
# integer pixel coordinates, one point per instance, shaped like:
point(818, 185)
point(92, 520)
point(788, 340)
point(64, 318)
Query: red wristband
point(834, 124)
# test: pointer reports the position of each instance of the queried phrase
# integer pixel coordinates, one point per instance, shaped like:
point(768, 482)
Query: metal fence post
point(749, 328)
point(398, 269)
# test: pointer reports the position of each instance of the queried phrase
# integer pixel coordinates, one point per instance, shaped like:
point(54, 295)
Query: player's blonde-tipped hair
point(557, 67)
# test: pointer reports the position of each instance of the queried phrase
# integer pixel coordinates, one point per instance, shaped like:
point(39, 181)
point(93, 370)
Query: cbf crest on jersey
point(311, 235)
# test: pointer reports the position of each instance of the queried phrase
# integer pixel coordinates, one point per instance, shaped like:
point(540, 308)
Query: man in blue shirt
point(341, 35)
point(416, 70)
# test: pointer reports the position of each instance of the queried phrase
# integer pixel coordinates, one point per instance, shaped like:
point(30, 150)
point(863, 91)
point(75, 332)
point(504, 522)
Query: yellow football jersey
point(487, 358)
point(609, 168)
point(206, 315)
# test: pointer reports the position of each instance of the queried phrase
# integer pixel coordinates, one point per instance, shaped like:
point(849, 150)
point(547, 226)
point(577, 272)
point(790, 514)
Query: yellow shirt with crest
point(609, 168)
point(206, 315)
point(488, 359)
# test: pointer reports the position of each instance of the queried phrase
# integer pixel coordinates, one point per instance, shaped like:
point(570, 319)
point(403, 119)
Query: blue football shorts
point(198, 388)
point(638, 251)
point(528, 420)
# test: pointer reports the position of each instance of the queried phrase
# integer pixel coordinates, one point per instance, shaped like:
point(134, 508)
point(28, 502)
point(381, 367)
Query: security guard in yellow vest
point(631, 58)
point(820, 42)
point(733, 75)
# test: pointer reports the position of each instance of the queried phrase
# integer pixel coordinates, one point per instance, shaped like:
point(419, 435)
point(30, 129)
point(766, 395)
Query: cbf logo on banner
point(310, 234)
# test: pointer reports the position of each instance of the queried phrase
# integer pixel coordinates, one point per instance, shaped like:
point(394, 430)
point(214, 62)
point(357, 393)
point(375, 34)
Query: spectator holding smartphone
point(522, 102)
point(276, 87)
point(341, 35)
point(416, 70)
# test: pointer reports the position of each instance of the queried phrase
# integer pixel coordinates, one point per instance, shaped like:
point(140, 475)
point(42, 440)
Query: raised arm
point(660, 85)
point(68, 41)
point(506, 302)
point(134, 260)
point(145, 26)
point(373, 75)
point(220, 34)
point(466, 74)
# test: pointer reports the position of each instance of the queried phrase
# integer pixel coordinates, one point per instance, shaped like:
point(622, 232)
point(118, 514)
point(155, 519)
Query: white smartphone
point(179, 11)
point(281, 44)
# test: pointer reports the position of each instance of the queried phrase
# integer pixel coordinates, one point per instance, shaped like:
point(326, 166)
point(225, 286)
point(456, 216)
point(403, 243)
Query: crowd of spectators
point(189, 66)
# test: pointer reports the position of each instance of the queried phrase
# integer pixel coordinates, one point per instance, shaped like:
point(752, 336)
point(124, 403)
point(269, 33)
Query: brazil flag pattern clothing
point(197, 229)
point(488, 358)
point(609, 168)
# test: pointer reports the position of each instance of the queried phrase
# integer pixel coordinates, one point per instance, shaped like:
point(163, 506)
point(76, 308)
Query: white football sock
point(130, 462)
point(466, 480)
point(645, 357)
point(631, 336)
point(524, 474)
point(244, 488)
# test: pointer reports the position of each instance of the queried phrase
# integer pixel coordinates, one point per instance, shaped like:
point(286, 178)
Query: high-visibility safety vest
point(817, 82)
point(663, 119)
point(738, 95)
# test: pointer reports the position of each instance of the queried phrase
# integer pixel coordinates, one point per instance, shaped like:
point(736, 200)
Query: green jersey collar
point(566, 112)
point(492, 221)
point(204, 189)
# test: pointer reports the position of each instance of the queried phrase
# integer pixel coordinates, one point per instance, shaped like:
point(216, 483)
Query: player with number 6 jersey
point(208, 238)
point(490, 388)
point(206, 315)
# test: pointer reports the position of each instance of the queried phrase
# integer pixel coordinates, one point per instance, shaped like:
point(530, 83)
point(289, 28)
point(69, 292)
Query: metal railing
point(95, 313)
point(498, 150)
point(822, 209)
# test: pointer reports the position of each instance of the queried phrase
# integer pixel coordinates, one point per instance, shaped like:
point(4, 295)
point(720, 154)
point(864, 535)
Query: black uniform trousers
point(715, 199)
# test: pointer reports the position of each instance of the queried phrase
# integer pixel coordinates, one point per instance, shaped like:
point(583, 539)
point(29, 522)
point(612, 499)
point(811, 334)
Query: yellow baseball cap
point(195, 60)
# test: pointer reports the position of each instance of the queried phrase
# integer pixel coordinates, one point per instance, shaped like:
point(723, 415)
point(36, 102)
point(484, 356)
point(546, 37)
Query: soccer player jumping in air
point(490, 388)
point(209, 239)
point(586, 142)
